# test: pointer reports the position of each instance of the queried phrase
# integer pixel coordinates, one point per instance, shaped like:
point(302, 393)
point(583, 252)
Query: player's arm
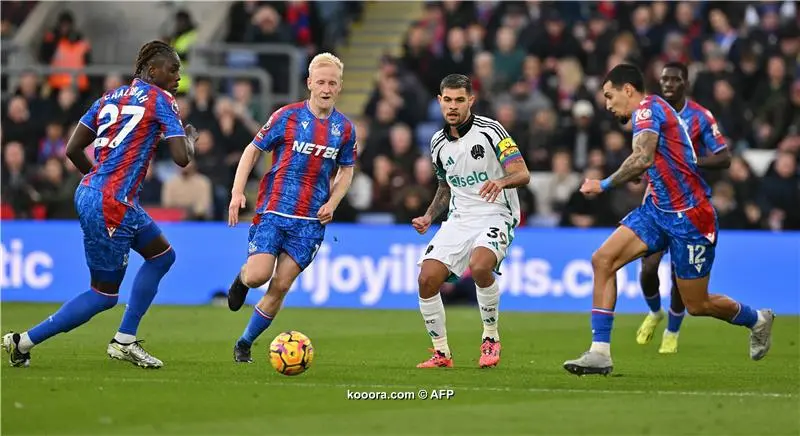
point(182, 147)
point(718, 154)
point(513, 164)
point(341, 184)
point(80, 139)
point(440, 202)
point(642, 158)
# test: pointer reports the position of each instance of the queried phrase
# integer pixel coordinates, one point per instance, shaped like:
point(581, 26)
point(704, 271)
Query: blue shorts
point(273, 234)
point(690, 236)
point(110, 229)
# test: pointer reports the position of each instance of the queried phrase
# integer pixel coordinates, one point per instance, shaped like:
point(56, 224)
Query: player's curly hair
point(148, 52)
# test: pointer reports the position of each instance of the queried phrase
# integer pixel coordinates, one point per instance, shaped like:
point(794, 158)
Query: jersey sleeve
point(709, 133)
point(89, 119)
point(168, 116)
point(438, 165)
point(506, 150)
point(649, 117)
point(348, 153)
point(272, 132)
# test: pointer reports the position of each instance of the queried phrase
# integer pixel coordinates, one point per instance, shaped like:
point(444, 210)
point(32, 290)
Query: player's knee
point(428, 285)
point(255, 279)
point(280, 284)
point(697, 308)
point(602, 261)
point(649, 270)
point(164, 260)
point(481, 273)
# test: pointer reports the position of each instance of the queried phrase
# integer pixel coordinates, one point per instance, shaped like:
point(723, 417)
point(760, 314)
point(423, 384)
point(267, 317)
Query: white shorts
point(458, 237)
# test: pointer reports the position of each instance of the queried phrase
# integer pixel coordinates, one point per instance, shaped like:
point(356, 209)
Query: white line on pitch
point(292, 383)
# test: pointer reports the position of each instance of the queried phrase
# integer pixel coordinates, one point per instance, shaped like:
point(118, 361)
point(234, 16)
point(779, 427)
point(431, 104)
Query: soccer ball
point(291, 353)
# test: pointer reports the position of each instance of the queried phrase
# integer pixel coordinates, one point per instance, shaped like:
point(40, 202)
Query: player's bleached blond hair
point(326, 59)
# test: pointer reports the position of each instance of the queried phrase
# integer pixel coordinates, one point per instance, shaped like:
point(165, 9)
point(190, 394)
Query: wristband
point(605, 184)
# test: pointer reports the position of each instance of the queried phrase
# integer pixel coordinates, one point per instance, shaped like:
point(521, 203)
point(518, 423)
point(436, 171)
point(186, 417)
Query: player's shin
point(488, 302)
point(259, 321)
point(145, 287)
point(73, 313)
point(603, 318)
point(677, 310)
point(432, 310)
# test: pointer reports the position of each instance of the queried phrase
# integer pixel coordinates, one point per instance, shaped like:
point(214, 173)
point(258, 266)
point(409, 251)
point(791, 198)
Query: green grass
point(710, 387)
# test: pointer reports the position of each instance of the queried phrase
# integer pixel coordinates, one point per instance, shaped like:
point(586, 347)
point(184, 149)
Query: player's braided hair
point(148, 52)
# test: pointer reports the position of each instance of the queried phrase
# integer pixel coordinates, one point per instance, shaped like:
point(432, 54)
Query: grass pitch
point(709, 387)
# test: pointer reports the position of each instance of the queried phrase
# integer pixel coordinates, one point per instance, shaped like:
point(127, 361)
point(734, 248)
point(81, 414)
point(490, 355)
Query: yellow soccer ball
point(291, 353)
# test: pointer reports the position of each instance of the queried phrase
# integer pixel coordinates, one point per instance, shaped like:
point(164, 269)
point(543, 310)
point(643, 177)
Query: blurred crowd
point(536, 67)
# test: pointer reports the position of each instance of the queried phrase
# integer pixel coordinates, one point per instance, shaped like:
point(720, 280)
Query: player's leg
point(677, 311)
point(482, 263)
point(636, 237)
point(159, 256)
point(264, 238)
point(299, 243)
point(432, 276)
point(257, 271)
point(107, 258)
point(693, 257)
point(650, 283)
point(447, 256)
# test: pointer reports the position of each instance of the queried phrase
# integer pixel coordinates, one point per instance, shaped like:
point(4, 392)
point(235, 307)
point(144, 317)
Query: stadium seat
point(424, 132)
point(166, 214)
point(39, 212)
point(6, 212)
point(434, 111)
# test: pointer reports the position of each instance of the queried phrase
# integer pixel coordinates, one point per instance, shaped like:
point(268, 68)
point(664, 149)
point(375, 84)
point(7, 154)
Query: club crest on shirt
point(644, 114)
point(335, 130)
point(175, 107)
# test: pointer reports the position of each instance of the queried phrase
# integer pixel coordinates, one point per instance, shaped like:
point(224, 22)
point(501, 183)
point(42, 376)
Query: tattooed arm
point(643, 156)
point(440, 201)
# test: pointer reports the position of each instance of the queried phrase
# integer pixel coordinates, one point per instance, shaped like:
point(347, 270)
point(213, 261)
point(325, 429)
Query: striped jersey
point(306, 153)
point(674, 180)
point(480, 153)
point(128, 123)
point(703, 129)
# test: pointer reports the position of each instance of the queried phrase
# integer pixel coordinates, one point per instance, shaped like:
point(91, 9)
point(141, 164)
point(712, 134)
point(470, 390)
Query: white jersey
point(467, 162)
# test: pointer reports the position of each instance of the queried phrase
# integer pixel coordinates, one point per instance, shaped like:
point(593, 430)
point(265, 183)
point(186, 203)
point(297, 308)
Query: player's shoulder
point(487, 123)
point(699, 109)
point(290, 108)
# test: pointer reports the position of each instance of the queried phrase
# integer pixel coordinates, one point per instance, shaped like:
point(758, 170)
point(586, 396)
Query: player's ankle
point(491, 333)
point(601, 347)
point(25, 344)
point(124, 338)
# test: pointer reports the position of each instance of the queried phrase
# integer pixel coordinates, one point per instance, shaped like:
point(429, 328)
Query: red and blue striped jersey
point(674, 180)
point(306, 153)
point(703, 129)
point(129, 122)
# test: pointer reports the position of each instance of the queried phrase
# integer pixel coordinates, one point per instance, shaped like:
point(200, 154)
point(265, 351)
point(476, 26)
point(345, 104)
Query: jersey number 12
point(113, 112)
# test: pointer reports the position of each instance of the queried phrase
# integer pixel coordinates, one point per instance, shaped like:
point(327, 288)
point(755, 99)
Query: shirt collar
point(462, 129)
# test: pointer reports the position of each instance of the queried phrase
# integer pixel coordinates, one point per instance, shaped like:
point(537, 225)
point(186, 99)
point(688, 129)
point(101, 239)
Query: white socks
point(25, 343)
point(432, 311)
point(488, 301)
point(601, 347)
point(124, 338)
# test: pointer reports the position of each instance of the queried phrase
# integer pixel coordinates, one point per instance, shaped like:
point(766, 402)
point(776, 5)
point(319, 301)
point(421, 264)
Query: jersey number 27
point(112, 111)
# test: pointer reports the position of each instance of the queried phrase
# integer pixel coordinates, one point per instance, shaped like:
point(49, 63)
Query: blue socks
point(145, 286)
point(674, 321)
point(259, 322)
point(747, 316)
point(654, 303)
point(72, 314)
point(602, 321)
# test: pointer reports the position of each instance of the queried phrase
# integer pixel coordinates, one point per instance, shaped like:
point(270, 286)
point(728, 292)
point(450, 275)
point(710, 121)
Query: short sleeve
point(271, 132)
point(89, 119)
point(438, 166)
point(709, 133)
point(168, 116)
point(648, 117)
point(348, 152)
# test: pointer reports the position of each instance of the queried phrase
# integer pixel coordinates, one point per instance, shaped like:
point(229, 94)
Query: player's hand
point(325, 213)
point(191, 132)
point(421, 224)
point(237, 202)
point(491, 189)
point(591, 187)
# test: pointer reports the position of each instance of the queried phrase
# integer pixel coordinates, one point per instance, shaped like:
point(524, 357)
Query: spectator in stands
point(419, 58)
point(560, 186)
point(615, 150)
point(728, 109)
point(244, 102)
point(359, 195)
point(207, 161)
point(112, 81)
point(57, 190)
point(555, 42)
point(457, 57)
point(182, 39)
point(266, 27)
point(508, 58)
point(780, 193)
point(203, 102)
point(16, 180)
point(404, 151)
point(29, 89)
point(584, 212)
point(150, 194)
point(232, 132)
point(68, 105)
point(582, 133)
point(382, 186)
point(191, 191)
point(65, 47)
point(730, 214)
point(527, 94)
point(541, 140)
point(18, 126)
point(54, 144)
